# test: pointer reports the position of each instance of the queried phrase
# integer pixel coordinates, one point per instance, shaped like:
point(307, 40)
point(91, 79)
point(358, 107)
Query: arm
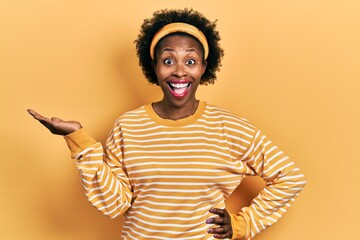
point(106, 184)
point(103, 177)
point(283, 179)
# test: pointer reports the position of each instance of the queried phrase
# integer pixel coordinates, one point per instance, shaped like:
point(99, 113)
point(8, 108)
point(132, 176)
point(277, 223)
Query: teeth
point(179, 85)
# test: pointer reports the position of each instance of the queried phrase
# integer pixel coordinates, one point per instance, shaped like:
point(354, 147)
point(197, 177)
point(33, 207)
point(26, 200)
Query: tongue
point(179, 91)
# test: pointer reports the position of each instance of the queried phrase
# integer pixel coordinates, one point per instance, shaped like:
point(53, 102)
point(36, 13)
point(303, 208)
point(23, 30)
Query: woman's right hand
point(56, 125)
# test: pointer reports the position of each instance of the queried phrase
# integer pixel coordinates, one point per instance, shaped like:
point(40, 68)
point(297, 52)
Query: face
point(179, 66)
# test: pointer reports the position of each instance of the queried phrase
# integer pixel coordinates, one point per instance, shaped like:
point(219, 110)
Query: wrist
point(239, 226)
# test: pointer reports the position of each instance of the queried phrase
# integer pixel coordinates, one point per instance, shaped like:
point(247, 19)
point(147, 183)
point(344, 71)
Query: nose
point(179, 70)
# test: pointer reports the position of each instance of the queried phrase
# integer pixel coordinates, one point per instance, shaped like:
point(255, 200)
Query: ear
point(204, 65)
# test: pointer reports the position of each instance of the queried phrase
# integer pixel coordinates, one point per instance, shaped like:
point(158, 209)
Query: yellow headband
point(179, 27)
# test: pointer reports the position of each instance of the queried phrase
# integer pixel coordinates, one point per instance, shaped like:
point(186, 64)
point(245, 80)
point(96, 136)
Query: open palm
point(56, 125)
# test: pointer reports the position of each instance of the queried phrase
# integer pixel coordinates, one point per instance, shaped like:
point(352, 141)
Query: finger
point(55, 119)
point(220, 230)
point(217, 211)
point(215, 220)
point(223, 236)
point(36, 115)
point(48, 123)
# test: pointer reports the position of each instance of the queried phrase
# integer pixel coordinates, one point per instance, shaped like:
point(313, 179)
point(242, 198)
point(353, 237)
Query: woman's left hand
point(223, 220)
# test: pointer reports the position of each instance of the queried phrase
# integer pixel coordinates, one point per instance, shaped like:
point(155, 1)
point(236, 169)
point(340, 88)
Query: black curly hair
point(163, 17)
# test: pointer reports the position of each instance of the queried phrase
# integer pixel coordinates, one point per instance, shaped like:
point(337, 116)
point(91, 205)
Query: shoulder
point(136, 114)
point(227, 117)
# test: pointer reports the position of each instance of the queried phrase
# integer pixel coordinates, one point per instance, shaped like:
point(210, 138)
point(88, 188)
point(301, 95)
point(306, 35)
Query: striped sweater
point(164, 175)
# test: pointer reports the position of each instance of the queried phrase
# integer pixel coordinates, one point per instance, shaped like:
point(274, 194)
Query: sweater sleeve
point(102, 173)
point(283, 180)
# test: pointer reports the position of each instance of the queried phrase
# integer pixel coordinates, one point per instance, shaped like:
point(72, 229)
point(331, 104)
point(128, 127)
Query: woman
point(169, 166)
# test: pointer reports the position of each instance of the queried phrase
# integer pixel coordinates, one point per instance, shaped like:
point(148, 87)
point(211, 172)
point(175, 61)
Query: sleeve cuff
point(78, 141)
point(239, 226)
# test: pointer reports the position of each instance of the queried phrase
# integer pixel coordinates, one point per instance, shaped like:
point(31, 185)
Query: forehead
point(179, 40)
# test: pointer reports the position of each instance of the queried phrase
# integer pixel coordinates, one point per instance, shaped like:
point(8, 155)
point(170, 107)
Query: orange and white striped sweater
point(165, 175)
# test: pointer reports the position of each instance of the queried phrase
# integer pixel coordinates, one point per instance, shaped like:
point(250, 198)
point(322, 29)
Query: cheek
point(198, 72)
point(161, 72)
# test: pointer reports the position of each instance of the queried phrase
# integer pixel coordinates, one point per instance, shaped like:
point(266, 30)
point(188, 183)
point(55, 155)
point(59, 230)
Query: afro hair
point(163, 17)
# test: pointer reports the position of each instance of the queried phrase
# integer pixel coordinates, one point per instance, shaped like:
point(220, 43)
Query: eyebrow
point(172, 50)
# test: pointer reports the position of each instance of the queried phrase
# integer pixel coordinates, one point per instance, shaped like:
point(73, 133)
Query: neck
point(167, 111)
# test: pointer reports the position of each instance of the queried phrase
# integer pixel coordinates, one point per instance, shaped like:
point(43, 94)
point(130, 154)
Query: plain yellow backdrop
point(290, 67)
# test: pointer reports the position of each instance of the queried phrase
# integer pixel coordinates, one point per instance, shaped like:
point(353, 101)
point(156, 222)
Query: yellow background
point(290, 67)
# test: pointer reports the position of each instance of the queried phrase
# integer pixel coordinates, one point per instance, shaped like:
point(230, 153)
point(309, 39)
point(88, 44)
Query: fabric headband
point(179, 27)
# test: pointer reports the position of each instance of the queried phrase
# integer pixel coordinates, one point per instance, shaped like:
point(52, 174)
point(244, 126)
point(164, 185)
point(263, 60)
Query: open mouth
point(179, 89)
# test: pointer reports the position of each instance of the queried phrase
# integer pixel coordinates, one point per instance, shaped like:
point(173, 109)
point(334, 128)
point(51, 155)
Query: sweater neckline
point(175, 123)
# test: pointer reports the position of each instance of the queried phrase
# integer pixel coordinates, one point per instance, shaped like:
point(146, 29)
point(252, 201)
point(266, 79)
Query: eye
point(168, 61)
point(191, 62)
